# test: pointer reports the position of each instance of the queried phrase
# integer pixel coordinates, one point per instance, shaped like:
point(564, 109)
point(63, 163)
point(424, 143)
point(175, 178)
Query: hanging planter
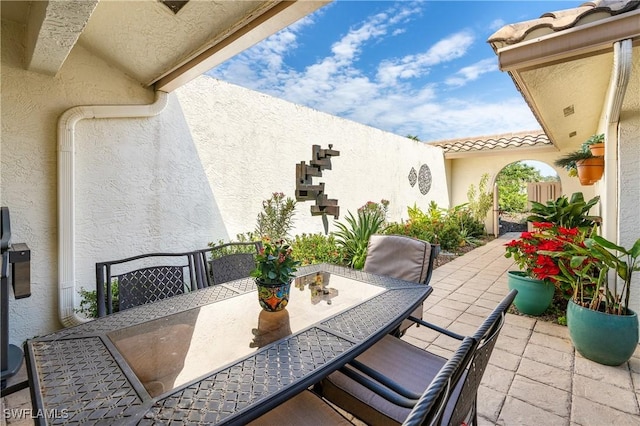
point(590, 170)
point(595, 144)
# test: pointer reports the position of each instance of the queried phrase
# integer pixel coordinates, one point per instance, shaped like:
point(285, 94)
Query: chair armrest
point(437, 328)
point(379, 389)
point(384, 380)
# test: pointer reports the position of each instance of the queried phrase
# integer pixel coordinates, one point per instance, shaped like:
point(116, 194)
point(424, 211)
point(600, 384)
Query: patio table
point(212, 356)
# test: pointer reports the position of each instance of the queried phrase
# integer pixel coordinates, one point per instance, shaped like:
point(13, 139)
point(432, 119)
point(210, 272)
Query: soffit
point(564, 60)
point(146, 39)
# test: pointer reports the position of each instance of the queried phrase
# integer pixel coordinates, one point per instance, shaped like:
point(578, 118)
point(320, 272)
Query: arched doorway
point(516, 185)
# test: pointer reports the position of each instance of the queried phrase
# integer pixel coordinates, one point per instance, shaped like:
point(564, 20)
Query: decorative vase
point(604, 338)
point(534, 296)
point(597, 149)
point(273, 297)
point(590, 170)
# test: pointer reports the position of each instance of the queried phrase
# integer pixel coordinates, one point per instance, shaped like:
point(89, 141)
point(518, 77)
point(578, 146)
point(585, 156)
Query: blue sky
point(419, 68)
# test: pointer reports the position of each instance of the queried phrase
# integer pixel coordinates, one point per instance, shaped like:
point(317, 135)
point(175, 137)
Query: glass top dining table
point(213, 356)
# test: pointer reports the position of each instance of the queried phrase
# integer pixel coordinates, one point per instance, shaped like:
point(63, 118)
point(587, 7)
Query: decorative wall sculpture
point(422, 177)
point(306, 190)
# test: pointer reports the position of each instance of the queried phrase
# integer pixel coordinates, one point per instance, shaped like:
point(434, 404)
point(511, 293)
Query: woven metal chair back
point(143, 279)
point(226, 262)
point(430, 407)
point(486, 335)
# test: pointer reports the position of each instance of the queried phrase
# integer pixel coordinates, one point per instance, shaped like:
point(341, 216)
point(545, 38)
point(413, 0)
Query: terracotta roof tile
point(529, 139)
point(557, 21)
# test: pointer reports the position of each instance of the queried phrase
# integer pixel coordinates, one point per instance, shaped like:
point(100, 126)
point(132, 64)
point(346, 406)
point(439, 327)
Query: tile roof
point(551, 22)
point(495, 143)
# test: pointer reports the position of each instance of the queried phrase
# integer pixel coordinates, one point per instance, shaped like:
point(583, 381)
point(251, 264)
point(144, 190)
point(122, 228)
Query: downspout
point(66, 191)
point(620, 76)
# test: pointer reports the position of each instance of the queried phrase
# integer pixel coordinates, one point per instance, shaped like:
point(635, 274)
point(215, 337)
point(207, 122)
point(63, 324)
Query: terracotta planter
point(590, 170)
point(597, 149)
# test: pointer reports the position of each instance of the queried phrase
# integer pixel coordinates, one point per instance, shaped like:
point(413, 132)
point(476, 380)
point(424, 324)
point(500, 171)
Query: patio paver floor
point(534, 376)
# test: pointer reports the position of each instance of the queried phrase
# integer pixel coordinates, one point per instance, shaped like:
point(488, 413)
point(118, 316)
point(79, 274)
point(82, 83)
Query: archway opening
point(518, 183)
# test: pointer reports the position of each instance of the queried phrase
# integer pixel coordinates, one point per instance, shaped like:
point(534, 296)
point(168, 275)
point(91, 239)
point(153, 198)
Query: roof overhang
point(148, 40)
point(563, 70)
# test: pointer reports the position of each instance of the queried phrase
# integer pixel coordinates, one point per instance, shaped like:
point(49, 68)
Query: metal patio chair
point(225, 262)
point(143, 279)
point(309, 408)
point(381, 386)
point(402, 257)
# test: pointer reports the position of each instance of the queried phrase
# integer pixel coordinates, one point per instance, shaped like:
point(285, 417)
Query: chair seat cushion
point(306, 408)
point(407, 365)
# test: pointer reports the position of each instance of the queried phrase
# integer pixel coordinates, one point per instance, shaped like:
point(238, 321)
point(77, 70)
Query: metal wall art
point(422, 177)
point(307, 191)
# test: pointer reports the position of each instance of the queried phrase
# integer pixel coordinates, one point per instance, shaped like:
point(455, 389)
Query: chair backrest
point(400, 257)
point(226, 262)
point(486, 336)
point(142, 279)
point(430, 407)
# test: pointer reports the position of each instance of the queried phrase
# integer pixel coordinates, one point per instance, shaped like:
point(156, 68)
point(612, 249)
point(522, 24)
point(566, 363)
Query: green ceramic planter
point(534, 296)
point(604, 338)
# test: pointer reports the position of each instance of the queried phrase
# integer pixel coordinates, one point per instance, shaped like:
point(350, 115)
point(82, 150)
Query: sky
point(419, 68)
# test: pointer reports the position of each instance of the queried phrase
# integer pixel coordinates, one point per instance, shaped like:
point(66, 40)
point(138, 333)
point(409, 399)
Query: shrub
point(276, 219)
point(353, 237)
point(479, 207)
point(311, 249)
point(88, 303)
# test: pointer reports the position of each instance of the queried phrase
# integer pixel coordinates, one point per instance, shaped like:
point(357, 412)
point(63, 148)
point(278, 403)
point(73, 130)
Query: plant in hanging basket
point(595, 144)
point(584, 164)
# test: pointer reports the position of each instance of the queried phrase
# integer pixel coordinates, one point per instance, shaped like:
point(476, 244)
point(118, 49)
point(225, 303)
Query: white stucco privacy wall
point(196, 173)
point(249, 144)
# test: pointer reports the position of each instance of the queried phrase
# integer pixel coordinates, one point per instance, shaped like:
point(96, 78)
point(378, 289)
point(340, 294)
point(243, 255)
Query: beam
point(53, 29)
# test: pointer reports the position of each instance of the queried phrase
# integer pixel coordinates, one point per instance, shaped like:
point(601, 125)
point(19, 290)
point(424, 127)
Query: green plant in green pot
point(535, 281)
point(601, 325)
point(275, 269)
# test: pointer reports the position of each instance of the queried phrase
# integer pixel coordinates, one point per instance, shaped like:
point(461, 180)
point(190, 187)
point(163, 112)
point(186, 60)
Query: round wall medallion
point(424, 179)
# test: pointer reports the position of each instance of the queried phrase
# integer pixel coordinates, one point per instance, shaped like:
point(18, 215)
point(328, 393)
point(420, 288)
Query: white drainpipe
point(66, 191)
point(620, 76)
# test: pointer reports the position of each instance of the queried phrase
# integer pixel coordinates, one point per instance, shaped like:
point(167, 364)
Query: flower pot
point(534, 296)
point(597, 149)
point(590, 170)
point(604, 338)
point(273, 297)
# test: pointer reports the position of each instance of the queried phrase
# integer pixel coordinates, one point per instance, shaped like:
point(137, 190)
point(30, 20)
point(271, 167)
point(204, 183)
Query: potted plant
point(275, 269)
point(601, 325)
point(534, 281)
point(584, 164)
point(595, 144)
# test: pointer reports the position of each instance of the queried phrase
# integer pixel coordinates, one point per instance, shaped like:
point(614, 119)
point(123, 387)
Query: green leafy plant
point(594, 139)
point(565, 212)
point(570, 161)
point(353, 237)
point(276, 219)
point(587, 265)
point(235, 249)
point(311, 249)
point(275, 262)
point(88, 303)
point(480, 201)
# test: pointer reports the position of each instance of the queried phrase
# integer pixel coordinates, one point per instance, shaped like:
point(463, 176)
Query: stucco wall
point(31, 105)
point(467, 171)
point(629, 167)
point(249, 144)
point(196, 173)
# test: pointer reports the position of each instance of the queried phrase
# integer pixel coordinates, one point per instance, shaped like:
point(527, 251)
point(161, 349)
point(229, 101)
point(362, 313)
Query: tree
point(512, 185)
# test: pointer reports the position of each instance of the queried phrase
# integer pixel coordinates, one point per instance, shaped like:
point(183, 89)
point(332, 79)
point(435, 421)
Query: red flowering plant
point(534, 252)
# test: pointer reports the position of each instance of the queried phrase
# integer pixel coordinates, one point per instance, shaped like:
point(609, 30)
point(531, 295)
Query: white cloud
point(472, 72)
point(397, 98)
point(496, 24)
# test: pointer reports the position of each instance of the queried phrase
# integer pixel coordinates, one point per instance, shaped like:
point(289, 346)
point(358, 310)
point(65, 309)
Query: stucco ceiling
point(145, 38)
